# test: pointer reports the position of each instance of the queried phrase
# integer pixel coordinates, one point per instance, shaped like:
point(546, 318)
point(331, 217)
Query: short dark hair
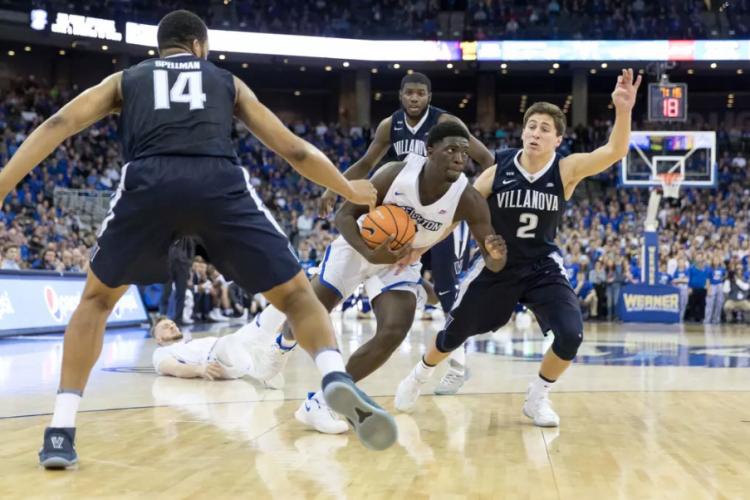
point(549, 109)
point(446, 129)
point(179, 28)
point(416, 78)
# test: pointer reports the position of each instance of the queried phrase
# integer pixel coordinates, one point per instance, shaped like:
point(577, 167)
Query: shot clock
point(667, 102)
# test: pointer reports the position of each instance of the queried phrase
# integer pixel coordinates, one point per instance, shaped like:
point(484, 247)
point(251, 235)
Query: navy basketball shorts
point(486, 301)
point(161, 199)
point(447, 259)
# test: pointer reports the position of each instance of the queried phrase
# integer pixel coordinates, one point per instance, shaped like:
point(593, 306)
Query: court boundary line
point(145, 407)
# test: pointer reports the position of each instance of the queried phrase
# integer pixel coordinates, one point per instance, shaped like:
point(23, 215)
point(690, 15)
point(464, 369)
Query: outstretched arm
point(362, 167)
point(375, 152)
point(305, 158)
point(577, 167)
point(473, 208)
point(88, 108)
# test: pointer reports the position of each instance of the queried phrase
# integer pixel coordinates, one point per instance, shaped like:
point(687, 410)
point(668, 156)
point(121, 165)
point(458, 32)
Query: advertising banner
point(649, 304)
point(37, 303)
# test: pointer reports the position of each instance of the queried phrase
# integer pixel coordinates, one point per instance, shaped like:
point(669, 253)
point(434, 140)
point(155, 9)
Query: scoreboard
point(667, 102)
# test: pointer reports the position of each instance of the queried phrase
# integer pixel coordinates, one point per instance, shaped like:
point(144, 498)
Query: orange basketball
point(387, 220)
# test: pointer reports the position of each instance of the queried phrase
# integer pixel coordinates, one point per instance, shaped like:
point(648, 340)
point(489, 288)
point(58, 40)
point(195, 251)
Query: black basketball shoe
point(58, 450)
point(374, 426)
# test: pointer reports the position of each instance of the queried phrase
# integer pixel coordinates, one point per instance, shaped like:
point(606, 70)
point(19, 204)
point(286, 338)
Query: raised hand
point(623, 97)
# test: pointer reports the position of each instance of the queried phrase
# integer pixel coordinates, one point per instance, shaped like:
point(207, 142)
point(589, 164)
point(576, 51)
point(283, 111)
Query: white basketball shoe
point(408, 392)
point(539, 409)
point(313, 412)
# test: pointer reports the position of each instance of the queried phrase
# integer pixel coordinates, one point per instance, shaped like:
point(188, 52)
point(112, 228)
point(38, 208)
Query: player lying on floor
point(211, 358)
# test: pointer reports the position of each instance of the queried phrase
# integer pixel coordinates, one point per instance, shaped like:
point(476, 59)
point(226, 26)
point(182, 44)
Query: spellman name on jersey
point(528, 198)
point(407, 146)
point(177, 64)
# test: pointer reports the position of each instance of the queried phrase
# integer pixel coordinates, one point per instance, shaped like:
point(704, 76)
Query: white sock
point(264, 326)
point(329, 361)
point(66, 408)
point(270, 321)
point(458, 358)
point(423, 372)
point(540, 386)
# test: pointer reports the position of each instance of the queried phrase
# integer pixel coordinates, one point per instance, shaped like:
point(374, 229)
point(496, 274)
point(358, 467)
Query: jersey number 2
point(192, 81)
point(529, 221)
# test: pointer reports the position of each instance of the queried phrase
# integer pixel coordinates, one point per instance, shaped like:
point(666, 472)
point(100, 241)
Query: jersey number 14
point(188, 88)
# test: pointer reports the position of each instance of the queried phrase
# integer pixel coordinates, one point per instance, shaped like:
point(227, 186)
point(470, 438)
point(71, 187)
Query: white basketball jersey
point(194, 352)
point(431, 220)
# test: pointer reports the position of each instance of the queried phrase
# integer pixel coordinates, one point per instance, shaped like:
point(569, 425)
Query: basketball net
point(670, 184)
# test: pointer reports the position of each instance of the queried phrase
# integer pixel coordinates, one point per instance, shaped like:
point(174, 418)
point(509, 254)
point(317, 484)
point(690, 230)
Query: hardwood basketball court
point(648, 411)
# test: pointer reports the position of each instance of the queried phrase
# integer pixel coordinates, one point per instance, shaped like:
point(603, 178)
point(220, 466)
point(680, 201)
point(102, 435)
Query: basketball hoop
point(670, 184)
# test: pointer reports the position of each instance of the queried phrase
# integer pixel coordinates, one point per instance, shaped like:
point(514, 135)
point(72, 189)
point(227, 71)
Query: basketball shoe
point(58, 450)
point(408, 392)
point(270, 360)
point(316, 414)
point(374, 426)
point(539, 409)
point(453, 379)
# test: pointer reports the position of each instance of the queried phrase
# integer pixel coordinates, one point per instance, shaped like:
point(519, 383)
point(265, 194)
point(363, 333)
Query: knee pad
point(567, 340)
point(449, 341)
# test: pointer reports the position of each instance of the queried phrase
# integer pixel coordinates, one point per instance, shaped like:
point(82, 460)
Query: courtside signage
point(44, 304)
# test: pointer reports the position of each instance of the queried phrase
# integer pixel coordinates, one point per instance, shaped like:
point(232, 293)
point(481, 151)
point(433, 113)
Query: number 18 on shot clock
point(667, 102)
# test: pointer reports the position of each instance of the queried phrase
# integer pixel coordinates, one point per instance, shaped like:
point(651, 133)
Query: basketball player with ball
point(419, 198)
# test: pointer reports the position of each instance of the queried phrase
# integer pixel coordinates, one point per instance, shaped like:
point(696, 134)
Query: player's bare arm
point(483, 184)
point(362, 167)
point(305, 158)
point(172, 367)
point(346, 220)
point(474, 210)
point(89, 107)
point(477, 151)
point(577, 167)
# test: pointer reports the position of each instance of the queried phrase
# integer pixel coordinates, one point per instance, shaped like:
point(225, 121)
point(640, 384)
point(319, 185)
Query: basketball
point(387, 220)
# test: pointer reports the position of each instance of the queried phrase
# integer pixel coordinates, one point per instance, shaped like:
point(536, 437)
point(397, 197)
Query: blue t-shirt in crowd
point(664, 278)
point(572, 270)
point(697, 277)
point(718, 274)
point(635, 272)
point(585, 289)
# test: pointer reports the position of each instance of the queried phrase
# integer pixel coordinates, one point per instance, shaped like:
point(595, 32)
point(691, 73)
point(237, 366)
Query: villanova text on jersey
point(528, 198)
point(407, 140)
point(526, 209)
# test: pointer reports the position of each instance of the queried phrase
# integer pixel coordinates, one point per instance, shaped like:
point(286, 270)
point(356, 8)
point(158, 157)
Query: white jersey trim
point(419, 124)
point(532, 178)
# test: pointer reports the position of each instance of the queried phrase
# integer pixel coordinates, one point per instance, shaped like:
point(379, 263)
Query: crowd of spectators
point(445, 19)
point(704, 238)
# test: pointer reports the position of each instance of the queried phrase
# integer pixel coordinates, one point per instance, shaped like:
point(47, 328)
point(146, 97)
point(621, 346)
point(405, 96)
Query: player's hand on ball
point(212, 371)
point(623, 97)
point(382, 254)
point(363, 193)
point(497, 251)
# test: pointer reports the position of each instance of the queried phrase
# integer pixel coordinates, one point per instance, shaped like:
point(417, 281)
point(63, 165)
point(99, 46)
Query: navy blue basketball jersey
point(526, 208)
point(411, 140)
point(179, 105)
